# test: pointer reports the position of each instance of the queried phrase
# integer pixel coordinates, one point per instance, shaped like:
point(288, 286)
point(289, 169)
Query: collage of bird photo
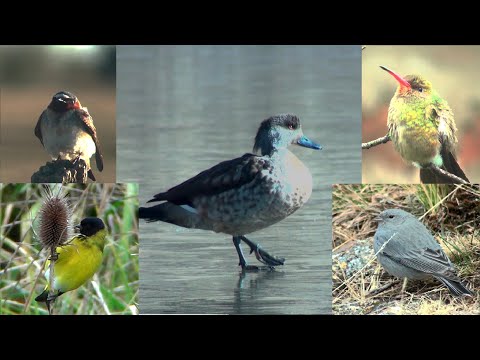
point(239, 180)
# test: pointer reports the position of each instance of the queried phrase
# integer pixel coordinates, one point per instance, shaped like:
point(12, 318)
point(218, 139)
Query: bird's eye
point(291, 127)
point(420, 89)
point(391, 216)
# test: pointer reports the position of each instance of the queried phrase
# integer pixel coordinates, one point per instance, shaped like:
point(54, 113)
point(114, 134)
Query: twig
point(445, 173)
point(51, 291)
point(382, 288)
point(382, 140)
point(96, 287)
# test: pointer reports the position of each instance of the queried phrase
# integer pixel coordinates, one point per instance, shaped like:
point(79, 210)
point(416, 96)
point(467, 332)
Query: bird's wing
point(86, 119)
point(222, 177)
point(441, 116)
point(426, 260)
point(38, 129)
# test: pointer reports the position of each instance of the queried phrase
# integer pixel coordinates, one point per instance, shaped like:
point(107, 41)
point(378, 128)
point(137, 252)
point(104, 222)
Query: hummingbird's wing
point(86, 119)
point(224, 176)
point(38, 129)
point(442, 116)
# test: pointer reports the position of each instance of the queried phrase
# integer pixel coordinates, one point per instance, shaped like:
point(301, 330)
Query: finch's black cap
point(91, 225)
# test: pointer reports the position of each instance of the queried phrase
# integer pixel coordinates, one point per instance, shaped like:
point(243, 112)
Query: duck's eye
point(391, 216)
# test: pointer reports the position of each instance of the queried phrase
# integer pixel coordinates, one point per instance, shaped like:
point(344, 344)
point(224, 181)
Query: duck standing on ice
point(246, 194)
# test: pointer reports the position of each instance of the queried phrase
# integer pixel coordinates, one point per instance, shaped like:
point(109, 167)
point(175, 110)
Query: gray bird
point(66, 131)
point(410, 251)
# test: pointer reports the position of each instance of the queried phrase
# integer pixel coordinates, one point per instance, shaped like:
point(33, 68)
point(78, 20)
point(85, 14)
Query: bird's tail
point(175, 214)
point(456, 287)
point(43, 296)
point(450, 164)
point(90, 175)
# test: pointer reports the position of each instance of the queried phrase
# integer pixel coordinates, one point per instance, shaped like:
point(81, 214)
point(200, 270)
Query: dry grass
point(451, 212)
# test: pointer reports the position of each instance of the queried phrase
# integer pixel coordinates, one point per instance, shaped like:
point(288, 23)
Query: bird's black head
point(90, 226)
point(63, 101)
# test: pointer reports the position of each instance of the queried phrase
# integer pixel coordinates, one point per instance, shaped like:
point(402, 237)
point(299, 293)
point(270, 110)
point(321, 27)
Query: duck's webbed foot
point(261, 255)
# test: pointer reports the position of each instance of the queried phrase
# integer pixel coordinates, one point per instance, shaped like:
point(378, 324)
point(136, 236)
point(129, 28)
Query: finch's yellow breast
point(78, 261)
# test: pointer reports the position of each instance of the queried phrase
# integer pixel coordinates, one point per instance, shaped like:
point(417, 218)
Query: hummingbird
point(422, 128)
point(66, 131)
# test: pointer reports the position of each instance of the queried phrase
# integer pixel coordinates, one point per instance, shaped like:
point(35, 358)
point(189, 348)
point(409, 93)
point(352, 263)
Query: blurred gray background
point(183, 109)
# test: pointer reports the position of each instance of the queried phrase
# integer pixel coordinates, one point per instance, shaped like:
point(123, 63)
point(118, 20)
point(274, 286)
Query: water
point(182, 109)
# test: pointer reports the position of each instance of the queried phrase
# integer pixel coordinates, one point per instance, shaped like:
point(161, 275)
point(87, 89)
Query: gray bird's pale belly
point(66, 140)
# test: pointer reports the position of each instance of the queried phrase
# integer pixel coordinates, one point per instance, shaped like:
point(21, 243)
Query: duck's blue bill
point(306, 142)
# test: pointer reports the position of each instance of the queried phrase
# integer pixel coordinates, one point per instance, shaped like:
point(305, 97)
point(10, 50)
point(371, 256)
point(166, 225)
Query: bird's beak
point(403, 83)
point(306, 142)
point(377, 219)
point(77, 227)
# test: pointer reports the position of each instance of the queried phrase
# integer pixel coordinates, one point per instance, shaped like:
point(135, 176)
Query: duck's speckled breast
point(275, 193)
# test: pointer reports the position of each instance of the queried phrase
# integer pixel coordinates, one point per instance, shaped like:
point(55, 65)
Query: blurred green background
point(29, 77)
point(114, 289)
point(454, 73)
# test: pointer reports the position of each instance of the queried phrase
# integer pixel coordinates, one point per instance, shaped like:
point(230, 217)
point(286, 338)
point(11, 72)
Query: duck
point(246, 194)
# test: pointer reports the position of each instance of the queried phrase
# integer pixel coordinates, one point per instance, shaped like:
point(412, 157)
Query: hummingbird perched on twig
point(422, 128)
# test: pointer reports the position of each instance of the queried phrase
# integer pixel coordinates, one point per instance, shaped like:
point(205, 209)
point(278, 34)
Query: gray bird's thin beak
point(77, 227)
point(377, 219)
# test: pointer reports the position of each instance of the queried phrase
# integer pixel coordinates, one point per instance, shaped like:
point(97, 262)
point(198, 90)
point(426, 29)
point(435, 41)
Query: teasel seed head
point(55, 219)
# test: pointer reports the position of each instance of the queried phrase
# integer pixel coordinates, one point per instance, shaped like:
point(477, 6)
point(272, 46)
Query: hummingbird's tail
point(450, 164)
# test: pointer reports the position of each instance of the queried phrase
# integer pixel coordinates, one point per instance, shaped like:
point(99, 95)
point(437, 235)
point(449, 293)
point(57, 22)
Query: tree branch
point(62, 171)
point(382, 140)
point(445, 173)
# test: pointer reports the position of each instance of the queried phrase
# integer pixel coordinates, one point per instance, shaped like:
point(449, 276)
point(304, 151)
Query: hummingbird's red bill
point(401, 80)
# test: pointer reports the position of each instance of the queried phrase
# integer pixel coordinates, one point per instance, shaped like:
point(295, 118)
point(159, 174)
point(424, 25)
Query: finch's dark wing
point(224, 176)
point(38, 129)
point(88, 126)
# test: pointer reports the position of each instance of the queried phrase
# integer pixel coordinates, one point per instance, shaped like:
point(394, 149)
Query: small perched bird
point(406, 249)
point(77, 261)
point(246, 194)
point(422, 128)
point(66, 131)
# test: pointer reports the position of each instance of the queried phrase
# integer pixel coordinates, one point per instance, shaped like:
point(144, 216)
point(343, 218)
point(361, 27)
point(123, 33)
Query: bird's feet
point(254, 268)
point(261, 255)
point(76, 160)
